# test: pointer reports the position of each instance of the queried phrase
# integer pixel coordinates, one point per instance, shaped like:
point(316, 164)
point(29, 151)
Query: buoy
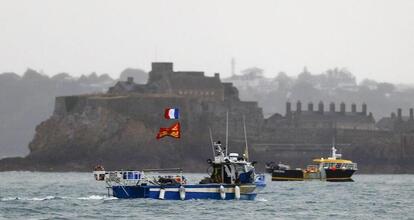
point(162, 194)
point(222, 192)
point(182, 192)
point(237, 192)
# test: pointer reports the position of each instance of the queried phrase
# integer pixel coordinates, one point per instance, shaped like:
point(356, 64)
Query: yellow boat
point(330, 169)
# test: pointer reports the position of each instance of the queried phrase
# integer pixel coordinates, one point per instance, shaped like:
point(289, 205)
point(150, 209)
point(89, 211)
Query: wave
point(9, 198)
point(261, 200)
point(92, 197)
point(97, 197)
point(30, 199)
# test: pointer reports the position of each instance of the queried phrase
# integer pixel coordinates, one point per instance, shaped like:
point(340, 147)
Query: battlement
point(321, 110)
point(398, 122)
point(321, 119)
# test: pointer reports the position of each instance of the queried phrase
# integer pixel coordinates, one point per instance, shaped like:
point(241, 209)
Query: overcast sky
point(372, 38)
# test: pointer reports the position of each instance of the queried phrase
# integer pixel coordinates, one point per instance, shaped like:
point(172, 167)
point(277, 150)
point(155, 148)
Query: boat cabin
point(335, 162)
point(231, 169)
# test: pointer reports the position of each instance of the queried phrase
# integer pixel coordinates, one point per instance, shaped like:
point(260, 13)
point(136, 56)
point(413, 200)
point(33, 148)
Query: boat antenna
point(211, 140)
point(246, 150)
point(227, 132)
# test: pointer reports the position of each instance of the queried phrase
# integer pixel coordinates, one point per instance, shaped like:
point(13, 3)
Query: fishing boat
point(230, 177)
point(333, 168)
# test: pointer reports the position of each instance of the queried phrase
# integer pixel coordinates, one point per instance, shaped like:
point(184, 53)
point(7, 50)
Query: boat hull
point(198, 191)
point(332, 175)
point(339, 175)
point(287, 175)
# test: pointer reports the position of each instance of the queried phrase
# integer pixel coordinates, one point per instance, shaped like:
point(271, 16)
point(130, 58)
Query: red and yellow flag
point(173, 131)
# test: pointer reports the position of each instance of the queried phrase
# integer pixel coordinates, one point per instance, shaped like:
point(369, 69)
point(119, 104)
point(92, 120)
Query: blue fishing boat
point(230, 177)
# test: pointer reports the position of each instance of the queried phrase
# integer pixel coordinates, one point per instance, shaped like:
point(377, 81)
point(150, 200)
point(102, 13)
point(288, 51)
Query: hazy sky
point(372, 38)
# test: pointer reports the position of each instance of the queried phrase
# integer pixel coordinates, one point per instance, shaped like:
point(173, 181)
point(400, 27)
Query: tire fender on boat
point(162, 194)
point(182, 192)
point(222, 192)
point(237, 192)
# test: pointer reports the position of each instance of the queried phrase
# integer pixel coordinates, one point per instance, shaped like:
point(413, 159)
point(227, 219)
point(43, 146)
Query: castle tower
point(411, 114)
point(342, 108)
point(298, 107)
point(159, 70)
point(332, 107)
point(320, 107)
point(364, 109)
point(310, 107)
point(353, 108)
point(288, 109)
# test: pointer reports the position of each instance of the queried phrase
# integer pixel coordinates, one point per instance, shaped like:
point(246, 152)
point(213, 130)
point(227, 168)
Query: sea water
point(38, 195)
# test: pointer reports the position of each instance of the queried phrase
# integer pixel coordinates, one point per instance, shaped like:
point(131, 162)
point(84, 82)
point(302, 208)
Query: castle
point(197, 95)
point(163, 80)
point(118, 128)
point(191, 84)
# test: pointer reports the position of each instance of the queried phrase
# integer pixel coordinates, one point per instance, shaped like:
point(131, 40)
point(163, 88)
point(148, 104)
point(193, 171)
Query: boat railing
point(134, 177)
point(164, 170)
point(351, 166)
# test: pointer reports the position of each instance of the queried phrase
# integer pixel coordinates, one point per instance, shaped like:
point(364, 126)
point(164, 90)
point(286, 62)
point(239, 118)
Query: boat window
point(329, 165)
point(216, 174)
point(240, 168)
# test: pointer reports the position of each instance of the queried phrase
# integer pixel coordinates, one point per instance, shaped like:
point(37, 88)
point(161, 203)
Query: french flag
point(172, 113)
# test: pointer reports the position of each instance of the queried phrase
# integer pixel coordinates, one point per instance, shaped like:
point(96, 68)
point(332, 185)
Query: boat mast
point(227, 132)
point(211, 140)
point(333, 143)
point(246, 150)
point(334, 150)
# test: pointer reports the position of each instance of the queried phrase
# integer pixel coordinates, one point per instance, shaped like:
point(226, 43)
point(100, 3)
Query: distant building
point(164, 80)
point(398, 122)
point(318, 118)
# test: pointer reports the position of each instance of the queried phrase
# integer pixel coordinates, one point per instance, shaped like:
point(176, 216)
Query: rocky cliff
point(27, 100)
point(119, 132)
